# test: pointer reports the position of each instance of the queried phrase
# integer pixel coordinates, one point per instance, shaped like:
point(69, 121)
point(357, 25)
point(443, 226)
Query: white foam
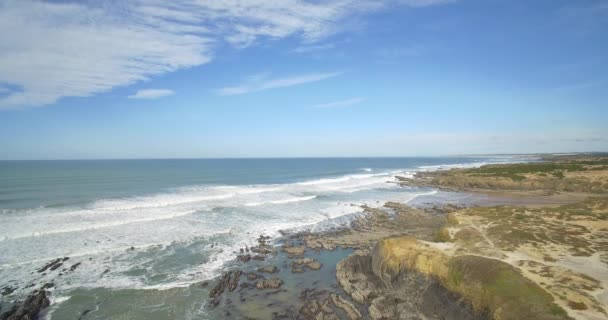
point(281, 201)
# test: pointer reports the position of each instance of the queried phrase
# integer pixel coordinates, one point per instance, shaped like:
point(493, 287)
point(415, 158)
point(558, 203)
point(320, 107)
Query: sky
point(292, 78)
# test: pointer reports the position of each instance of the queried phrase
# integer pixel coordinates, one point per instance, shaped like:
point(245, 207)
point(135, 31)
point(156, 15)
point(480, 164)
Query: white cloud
point(341, 103)
point(151, 94)
point(260, 83)
point(51, 50)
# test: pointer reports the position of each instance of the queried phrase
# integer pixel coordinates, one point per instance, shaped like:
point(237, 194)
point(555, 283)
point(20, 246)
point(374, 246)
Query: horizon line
point(317, 157)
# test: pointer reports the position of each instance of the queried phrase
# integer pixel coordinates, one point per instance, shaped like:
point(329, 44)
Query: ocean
point(149, 229)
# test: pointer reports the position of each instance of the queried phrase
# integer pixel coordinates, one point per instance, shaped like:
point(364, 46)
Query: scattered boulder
point(53, 264)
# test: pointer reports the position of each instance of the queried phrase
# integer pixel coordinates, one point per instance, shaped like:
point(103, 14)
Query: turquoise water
point(158, 226)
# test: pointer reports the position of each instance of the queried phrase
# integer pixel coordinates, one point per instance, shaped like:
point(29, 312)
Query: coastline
point(341, 273)
point(399, 268)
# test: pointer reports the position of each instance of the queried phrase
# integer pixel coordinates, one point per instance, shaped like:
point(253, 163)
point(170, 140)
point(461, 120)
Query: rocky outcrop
point(229, 281)
point(294, 251)
point(273, 283)
point(53, 264)
point(404, 277)
point(297, 266)
point(30, 308)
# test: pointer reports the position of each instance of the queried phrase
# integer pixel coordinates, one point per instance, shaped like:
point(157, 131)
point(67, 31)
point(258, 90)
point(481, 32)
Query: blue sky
point(229, 78)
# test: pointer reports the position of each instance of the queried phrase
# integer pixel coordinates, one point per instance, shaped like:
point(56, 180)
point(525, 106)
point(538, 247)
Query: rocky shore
point(538, 249)
point(541, 255)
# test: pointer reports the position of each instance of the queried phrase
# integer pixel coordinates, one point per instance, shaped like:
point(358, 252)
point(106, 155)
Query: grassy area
point(494, 286)
point(517, 172)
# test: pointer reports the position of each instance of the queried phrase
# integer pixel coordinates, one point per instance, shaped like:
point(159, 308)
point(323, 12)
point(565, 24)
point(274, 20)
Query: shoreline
point(365, 288)
point(341, 274)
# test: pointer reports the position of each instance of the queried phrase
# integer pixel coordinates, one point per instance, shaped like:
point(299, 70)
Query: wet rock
point(270, 269)
point(229, 281)
point(221, 285)
point(297, 269)
point(244, 258)
point(30, 308)
point(259, 258)
point(8, 290)
point(74, 266)
point(48, 285)
point(308, 262)
point(84, 313)
point(234, 280)
point(294, 251)
point(273, 283)
point(260, 250)
point(51, 265)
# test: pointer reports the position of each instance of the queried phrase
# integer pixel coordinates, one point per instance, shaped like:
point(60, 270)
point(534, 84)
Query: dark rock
point(229, 281)
point(260, 250)
point(259, 258)
point(30, 308)
point(48, 285)
point(244, 258)
point(53, 264)
point(221, 285)
point(74, 266)
point(8, 290)
point(84, 313)
point(234, 281)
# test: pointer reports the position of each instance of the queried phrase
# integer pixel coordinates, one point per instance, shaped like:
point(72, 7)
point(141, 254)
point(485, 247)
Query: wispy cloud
point(55, 49)
point(151, 94)
point(261, 83)
point(341, 103)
